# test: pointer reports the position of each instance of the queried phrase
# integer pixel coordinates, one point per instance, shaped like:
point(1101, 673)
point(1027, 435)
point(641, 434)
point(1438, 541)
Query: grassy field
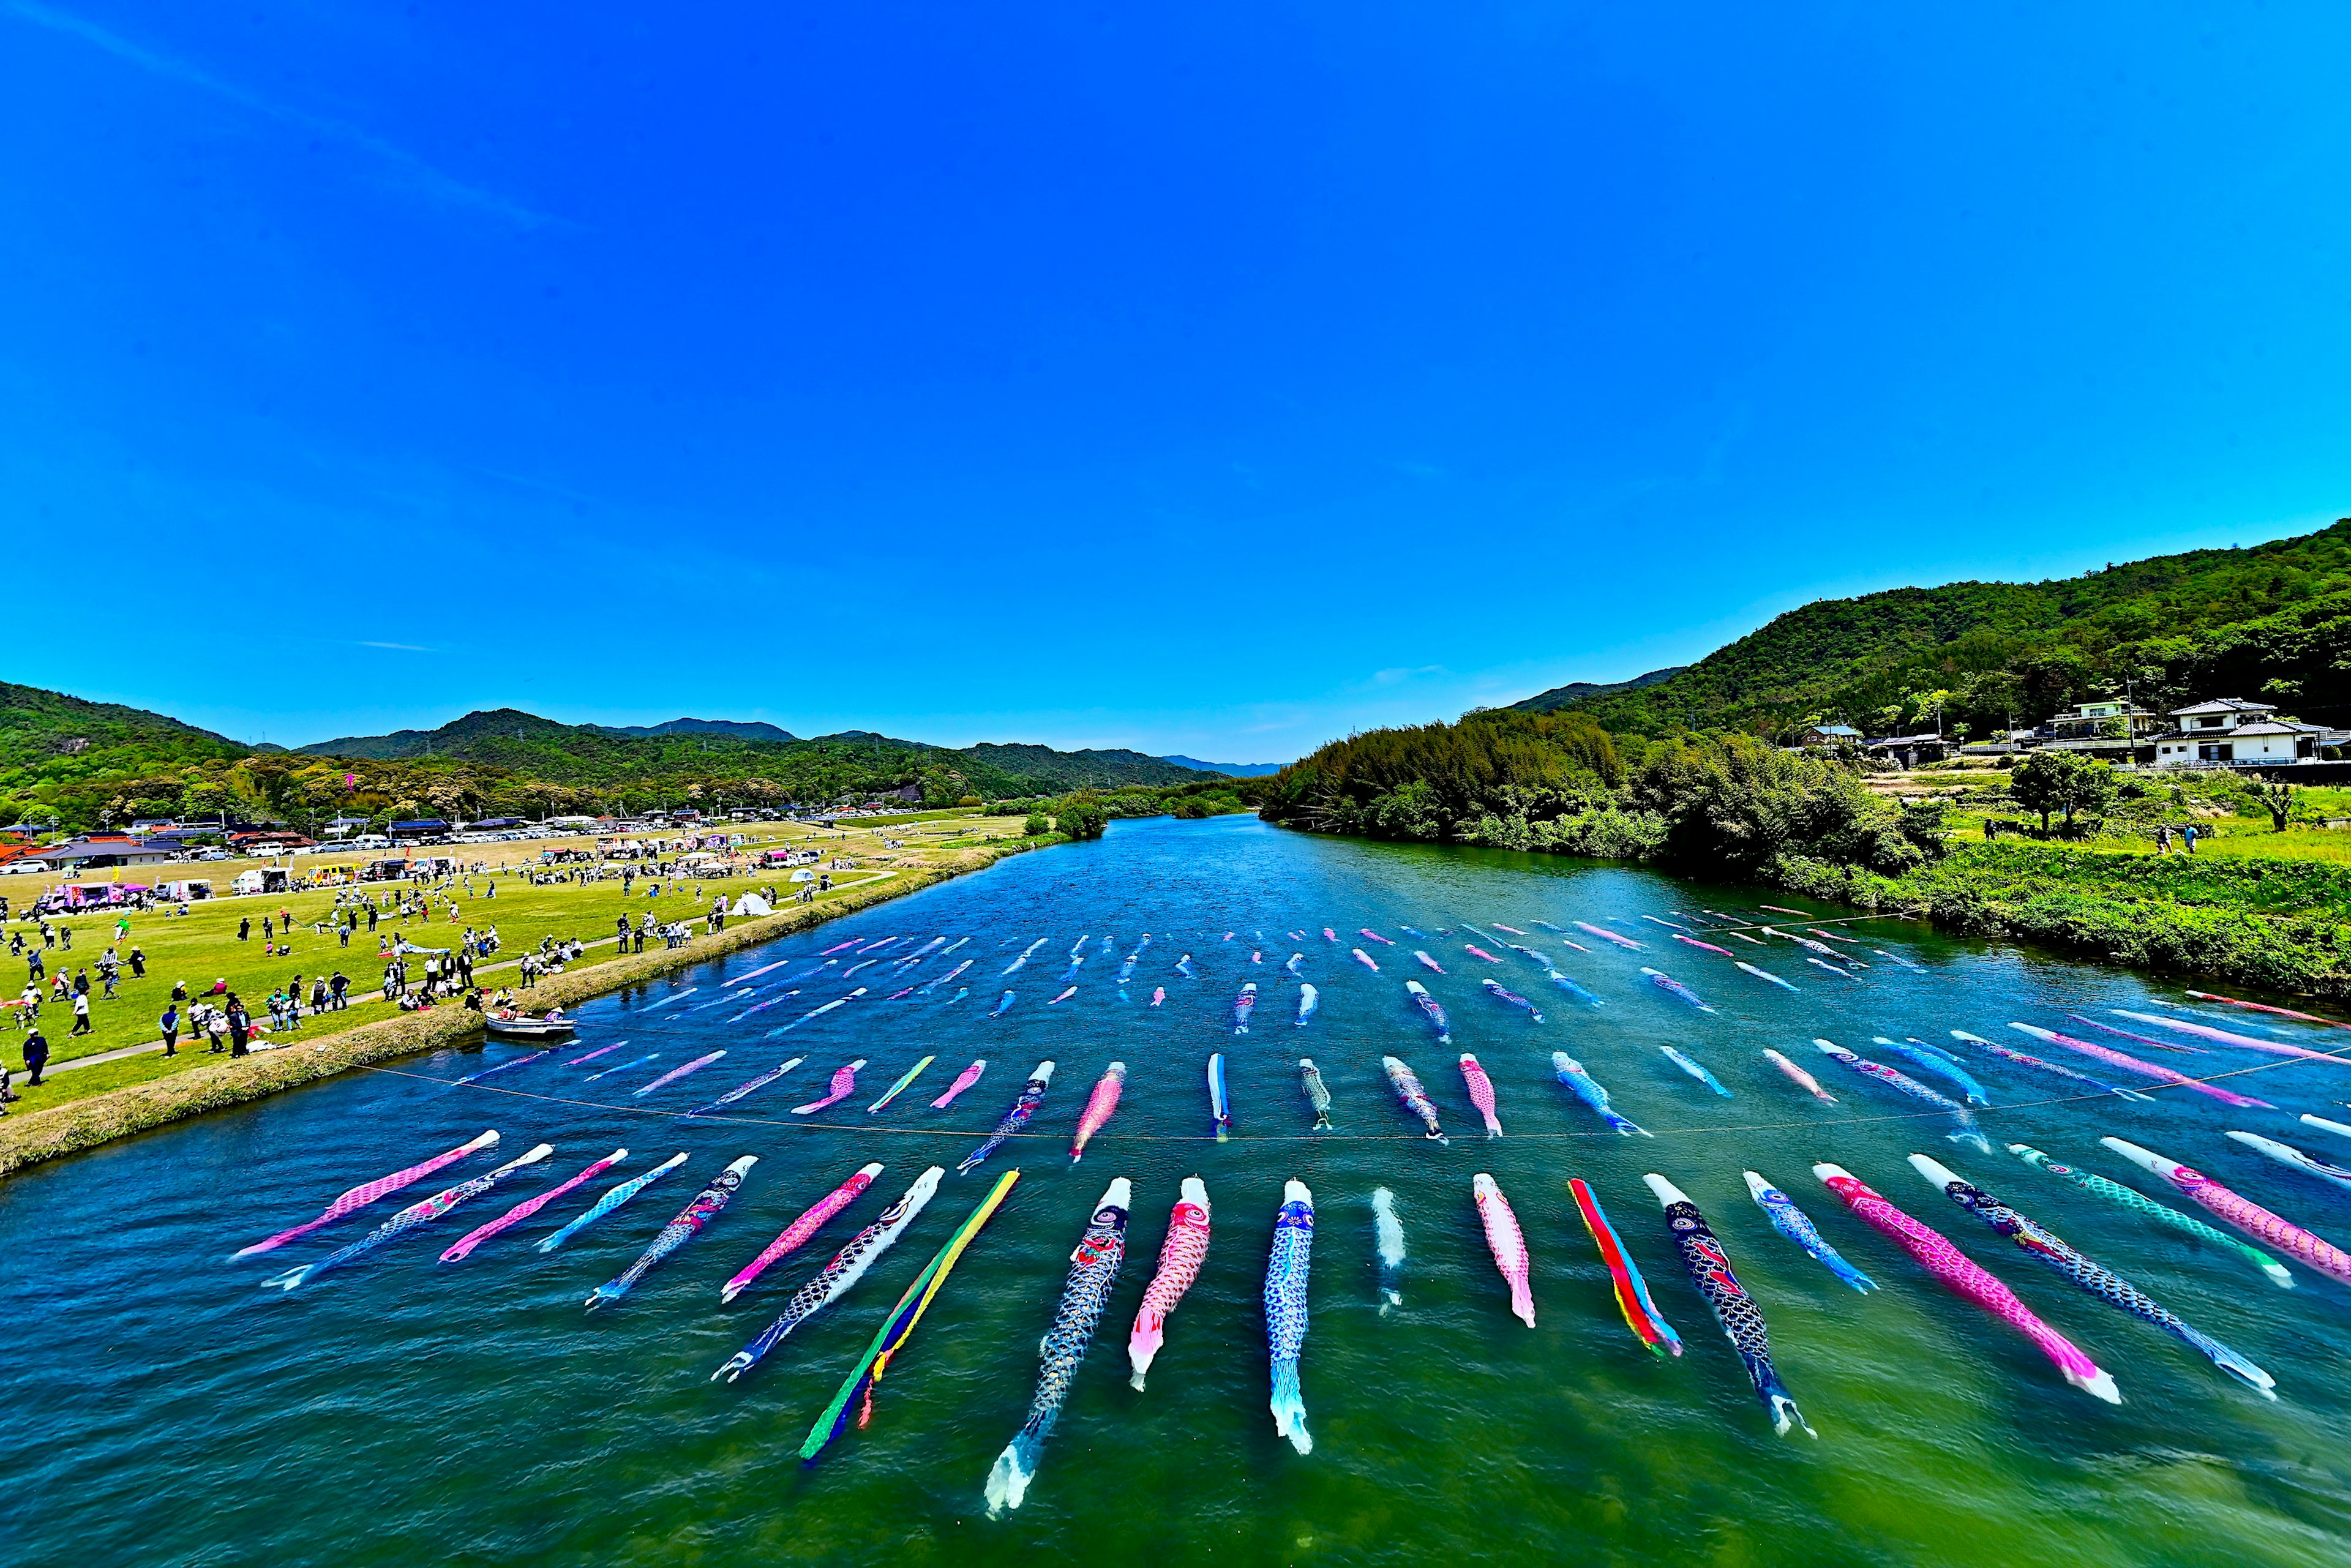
point(202, 946)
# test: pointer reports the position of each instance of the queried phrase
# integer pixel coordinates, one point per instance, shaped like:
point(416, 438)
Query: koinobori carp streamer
point(1180, 1257)
point(1093, 1269)
point(900, 1087)
point(1032, 1096)
point(1430, 1010)
point(1696, 1069)
point(2163, 1074)
point(1708, 1267)
point(797, 1234)
point(366, 1193)
point(1801, 1079)
point(964, 1080)
point(1287, 1269)
point(1935, 1254)
point(1941, 1063)
point(2294, 1160)
point(1968, 1132)
point(1416, 1099)
point(1504, 993)
point(1675, 990)
point(1797, 1226)
point(1317, 1093)
point(1640, 1314)
point(685, 1227)
point(619, 1194)
point(2053, 1069)
point(1507, 1243)
point(1481, 1092)
point(844, 1085)
point(1099, 1105)
point(1586, 1088)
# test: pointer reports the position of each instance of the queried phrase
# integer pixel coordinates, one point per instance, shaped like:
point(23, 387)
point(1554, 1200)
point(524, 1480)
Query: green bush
point(1036, 825)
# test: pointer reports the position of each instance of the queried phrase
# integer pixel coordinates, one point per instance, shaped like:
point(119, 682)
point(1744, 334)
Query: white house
point(2228, 732)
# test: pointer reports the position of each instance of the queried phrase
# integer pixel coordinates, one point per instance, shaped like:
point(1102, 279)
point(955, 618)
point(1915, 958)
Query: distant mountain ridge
point(740, 729)
point(1577, 691)
point(1235, 770)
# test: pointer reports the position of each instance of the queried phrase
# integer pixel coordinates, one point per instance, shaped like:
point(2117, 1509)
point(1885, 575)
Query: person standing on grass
point(81, 1013)
point(2187, 837)
point(138, 965)
point(243, 927)
point(36, 1056)
point(170, 1024)
point(338, 989)
point(318, 995)
point(240, 1026)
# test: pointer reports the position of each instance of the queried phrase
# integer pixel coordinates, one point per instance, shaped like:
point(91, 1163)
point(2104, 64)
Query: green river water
point(160, 1408)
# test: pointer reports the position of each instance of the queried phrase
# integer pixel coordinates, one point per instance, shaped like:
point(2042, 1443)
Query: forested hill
point(36, 726)
point(2273, 620)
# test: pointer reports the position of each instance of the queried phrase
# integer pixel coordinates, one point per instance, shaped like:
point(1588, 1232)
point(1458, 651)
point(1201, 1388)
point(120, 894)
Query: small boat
point(529, 1029)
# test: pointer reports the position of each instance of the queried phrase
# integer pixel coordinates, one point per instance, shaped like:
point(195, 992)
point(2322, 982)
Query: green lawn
point(202, 946)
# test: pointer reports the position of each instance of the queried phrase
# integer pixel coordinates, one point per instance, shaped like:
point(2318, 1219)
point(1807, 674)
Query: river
point(163, 1409)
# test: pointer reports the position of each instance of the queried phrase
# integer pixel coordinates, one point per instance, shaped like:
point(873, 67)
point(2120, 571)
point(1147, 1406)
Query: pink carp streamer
point(1708, 945)
point(2162, 1074)
point(1367, 931)
point(1481, 1092)
point(1472, 949)
point(1099, 1106)
point(368, 1192)
point(794, 1235)
point(1607, 935)
point(2242, 1212)
point(1180, 1257)
point(674, 1074)
point(529, 1206)
point(964, 1079)
point(1507, 1243)
point(844, 946)
point(2265, 1007)
point(844, 1085)
point(1935, 1254)
point(2206, 1031)
point(1801, 1079)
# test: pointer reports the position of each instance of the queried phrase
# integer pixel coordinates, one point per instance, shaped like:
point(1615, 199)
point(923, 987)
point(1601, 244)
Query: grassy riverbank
point(80, 1106)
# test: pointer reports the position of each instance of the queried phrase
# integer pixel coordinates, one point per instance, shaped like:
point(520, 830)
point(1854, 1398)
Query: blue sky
point(1216, 382)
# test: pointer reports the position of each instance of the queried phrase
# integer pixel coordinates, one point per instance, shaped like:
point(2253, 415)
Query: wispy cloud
point(397, 647)
point(1398, 676)
point(413, 171)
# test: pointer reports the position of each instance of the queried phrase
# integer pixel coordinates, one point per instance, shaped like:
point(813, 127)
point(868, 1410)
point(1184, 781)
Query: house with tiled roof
point(2230, 732)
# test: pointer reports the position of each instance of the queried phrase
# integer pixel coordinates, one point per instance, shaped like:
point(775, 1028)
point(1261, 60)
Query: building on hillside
point(2111, 730)
point(1828, 734)
point(2230, 732)
point(1909, 750)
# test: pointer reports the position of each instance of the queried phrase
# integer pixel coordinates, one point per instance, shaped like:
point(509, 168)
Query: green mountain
point(1576, 691)
point(597, 756)
point(739, 729)
point(2273, 620)
point(47, 739)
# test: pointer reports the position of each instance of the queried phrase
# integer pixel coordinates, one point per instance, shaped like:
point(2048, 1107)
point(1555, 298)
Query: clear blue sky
point(1214, 381)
